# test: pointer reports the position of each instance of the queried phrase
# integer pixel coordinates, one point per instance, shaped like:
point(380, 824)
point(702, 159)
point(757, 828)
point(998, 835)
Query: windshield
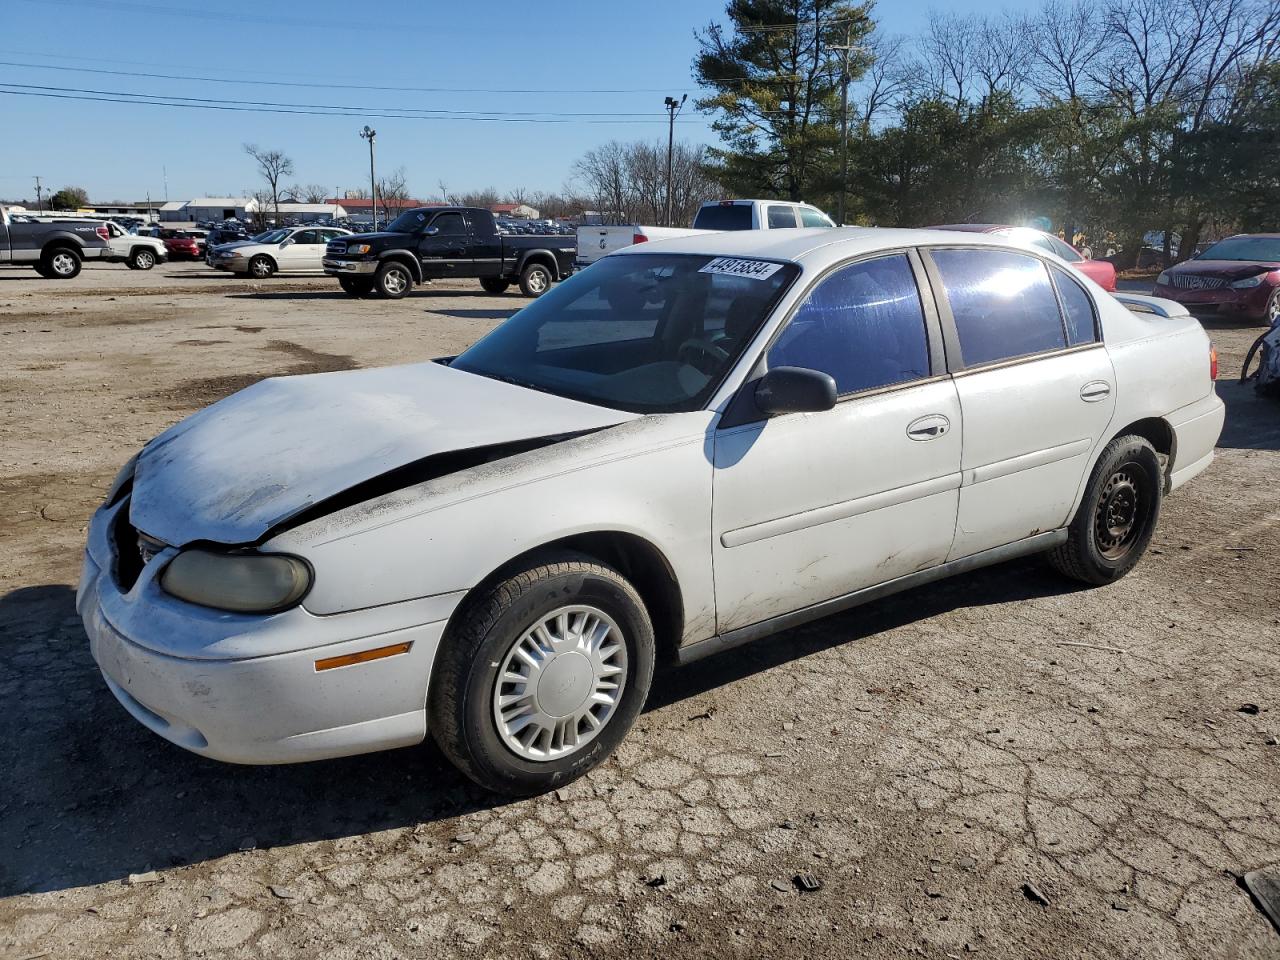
point(408, 222)
point(646, 333)
point(271, 236)
point(1260, 249)
point(724, 216)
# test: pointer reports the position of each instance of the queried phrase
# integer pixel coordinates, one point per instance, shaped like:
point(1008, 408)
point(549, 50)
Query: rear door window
point(1077, 308)
point(780, 217)
point(1003, 304)
point(728, 216)
point(863, 324)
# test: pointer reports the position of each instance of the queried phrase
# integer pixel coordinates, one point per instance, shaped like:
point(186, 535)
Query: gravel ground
point(964, 768)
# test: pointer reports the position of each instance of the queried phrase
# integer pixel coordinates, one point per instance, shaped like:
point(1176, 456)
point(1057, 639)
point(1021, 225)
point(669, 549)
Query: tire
point(494, 284)
point(356, 287)
point(463, 707)
point(262, 267)
point(1271, 313)
point(61, 263)
point(142, 259)
point(41, 269)
point(393, 280)
point(535, 280)
point(1117, 517)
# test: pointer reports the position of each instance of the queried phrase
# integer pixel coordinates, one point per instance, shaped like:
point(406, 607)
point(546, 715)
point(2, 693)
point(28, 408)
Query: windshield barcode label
point(734, 267)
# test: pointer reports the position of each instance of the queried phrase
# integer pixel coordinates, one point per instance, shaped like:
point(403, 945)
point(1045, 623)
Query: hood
point(367, 237)
point(231, 472)
point(232, 244)
point(1225, 269)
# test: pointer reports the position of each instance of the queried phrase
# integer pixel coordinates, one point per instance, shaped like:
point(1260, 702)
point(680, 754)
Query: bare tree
point(311, 192)
point(1065, 46)
point(948, 50)
point(887, 81)
point(999, 53)
point(393, 191)
point(274, 166)
point(627, 182)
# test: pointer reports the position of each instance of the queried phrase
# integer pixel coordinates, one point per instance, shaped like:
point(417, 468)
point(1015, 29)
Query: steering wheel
point(695, 351)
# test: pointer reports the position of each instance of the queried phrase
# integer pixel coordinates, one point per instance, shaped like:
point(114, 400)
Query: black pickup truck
point(433, 243)
point(55, 249)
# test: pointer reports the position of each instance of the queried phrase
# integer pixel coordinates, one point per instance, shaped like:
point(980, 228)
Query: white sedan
point(691, 444)
point(288, 250)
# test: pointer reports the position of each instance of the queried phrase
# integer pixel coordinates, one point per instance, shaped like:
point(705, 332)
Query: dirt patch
point(246, 329)
point(200, 343)
point(202, 391)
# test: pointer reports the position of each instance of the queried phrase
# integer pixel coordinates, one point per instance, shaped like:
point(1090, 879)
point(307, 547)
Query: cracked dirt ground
point(924, 757)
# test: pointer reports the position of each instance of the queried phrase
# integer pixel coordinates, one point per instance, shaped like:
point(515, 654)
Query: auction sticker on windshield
point(735, 267)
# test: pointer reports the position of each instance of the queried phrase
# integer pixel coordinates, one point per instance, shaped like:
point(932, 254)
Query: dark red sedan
point(1237, 277)
point(181, 243)
point(1099, 271)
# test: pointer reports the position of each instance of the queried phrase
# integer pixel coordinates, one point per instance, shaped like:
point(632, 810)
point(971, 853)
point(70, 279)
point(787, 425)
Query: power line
point(157, 100)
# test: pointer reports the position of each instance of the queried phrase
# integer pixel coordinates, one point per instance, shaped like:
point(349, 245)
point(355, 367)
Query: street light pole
point(673, 107)
point(370, 134)
point(39, 197)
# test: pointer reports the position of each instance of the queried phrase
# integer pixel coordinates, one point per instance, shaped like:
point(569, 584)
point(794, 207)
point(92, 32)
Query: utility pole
point(847, 49)
point(673, 107)
point(369, 134)
point(39, 201)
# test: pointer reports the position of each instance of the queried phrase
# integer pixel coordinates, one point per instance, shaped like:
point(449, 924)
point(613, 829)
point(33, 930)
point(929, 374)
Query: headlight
point(1163, 278)
point(122, 480)
point(233, 253)
point(358, 249)
point(242, 582)
point(1248, 282)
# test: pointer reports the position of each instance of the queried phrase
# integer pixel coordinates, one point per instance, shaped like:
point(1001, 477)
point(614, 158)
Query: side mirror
point(286, 241)
point(430, 231)
point(795, 390)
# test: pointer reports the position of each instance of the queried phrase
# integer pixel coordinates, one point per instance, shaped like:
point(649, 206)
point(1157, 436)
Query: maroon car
point(181, 243)
point(1236, 277)
point(1099, 271)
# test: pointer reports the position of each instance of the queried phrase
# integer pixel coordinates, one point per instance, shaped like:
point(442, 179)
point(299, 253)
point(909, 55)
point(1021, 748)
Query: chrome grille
point(1192, 281)
point(336, 249)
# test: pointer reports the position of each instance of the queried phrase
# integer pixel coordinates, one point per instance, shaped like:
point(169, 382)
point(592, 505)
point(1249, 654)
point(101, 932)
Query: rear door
point(304, 252)
point(444, 248)
point(808, 507)
point(1036, 389)
point(484, 246)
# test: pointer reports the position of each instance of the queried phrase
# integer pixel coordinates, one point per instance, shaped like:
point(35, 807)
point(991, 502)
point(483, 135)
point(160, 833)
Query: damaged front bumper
point(248, 689)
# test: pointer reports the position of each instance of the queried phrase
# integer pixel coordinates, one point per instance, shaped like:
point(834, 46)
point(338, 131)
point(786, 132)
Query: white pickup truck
point(595, 242)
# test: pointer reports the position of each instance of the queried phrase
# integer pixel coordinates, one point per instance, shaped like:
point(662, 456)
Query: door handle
point(1094, 391)
point(928, 427)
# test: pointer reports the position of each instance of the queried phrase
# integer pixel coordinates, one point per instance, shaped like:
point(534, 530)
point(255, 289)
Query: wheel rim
point(261, 268)
point(63, 263)
point(1118, 518)
point(560, 683)
point(395, 281)
point(537, 281)
point(1273, 307)
point(145, 261)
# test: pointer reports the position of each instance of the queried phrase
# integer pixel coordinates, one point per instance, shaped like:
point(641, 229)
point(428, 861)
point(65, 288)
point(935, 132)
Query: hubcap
point(537, 281)
point(262, 268)
point(62, 263)
point(1116, 522)
point(560, 683)
point(395, 281)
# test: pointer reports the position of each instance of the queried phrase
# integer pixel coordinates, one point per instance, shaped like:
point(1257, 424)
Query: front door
point(808, 507)
point(446, 252)
point(1036, 388)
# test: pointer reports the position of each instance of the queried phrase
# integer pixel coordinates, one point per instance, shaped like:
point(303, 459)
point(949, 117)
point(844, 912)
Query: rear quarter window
point(735, 216)
point(1077, 309)
point(1003, 304)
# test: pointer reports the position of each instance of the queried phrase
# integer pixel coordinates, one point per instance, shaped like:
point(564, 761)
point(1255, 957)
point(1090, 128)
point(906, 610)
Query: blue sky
point(122, 150)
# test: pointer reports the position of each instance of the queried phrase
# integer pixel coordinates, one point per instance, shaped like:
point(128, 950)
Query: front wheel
point(535, 280)
point(142, 259)
point(542, 676)
point(494, 284)
point(1117, 517)
point(356, 287)
point(1271, 315)
point(262, 267)
point(393, 280)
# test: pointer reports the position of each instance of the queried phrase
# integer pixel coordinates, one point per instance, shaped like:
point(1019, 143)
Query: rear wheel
point(62, 263)
point(142, 259)
point(494, 284)
point(262, 267)
point(542, 676)
point(1117, 516)
point(393, 280)
point(356, 287)
point(535, 280)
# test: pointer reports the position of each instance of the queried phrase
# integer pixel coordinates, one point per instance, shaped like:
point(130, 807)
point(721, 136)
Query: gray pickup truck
point(56, 249)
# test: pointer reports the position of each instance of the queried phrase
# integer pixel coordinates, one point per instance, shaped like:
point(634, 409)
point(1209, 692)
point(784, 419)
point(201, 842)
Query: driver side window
point(862, 324)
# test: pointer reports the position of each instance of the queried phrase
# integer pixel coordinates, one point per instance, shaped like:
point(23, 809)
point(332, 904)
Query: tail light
point(639, 238)
point(101, 231)
point(1213, 362)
